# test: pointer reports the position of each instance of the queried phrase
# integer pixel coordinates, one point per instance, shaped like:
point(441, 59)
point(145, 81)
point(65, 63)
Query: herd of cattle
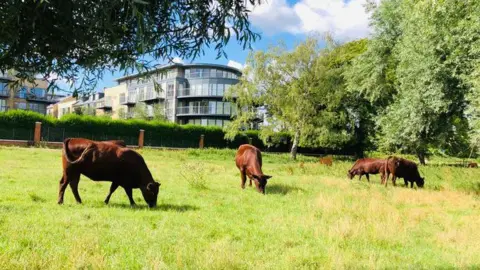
point(112, 161)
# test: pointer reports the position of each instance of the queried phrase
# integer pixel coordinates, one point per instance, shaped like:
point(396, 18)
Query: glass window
point(220, 89)
point(3, 105)
point(22, 93)
point(218, 123)
point(213, 73)
point(38, 92)
point(219, 73)
point(211, 122)
point(21, 105)
point(225, 74)
point(211, 107)
point(219, 107)
point(205, 89)
point(204, 122)
point(213, 89)
point(226, 107)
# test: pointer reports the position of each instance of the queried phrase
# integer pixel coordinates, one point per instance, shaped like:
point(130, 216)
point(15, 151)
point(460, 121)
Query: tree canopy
point(302, 91)
point(69, 37)
point(420, 65)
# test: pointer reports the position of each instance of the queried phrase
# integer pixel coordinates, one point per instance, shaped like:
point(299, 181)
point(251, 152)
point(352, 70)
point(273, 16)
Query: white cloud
point(235, 64)
point(177, 60)
point(345, 19)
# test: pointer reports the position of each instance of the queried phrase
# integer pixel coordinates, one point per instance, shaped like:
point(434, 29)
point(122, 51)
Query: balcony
point(188, 92)
point(48, 98)
point(3, 108)
point(203, 110)
point(129, 100)
point(105, 104)
point(152, 95)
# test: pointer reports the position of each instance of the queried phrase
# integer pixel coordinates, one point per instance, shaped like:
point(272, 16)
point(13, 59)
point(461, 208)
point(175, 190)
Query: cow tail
point(82, 156)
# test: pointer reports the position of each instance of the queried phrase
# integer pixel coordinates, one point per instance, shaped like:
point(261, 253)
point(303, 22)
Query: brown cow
point(367, 166)
point(249, 162)
point(117, 142)
point(106, 161)
point(328, 160)
point(403, 168)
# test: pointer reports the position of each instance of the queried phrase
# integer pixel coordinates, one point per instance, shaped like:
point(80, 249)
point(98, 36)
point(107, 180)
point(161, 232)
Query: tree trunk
point(293, 151)
point(421, 157)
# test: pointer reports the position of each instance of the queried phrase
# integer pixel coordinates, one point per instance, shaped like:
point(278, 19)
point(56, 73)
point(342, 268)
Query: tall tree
point(418, 66)
point(68, 37)
point(303, 93)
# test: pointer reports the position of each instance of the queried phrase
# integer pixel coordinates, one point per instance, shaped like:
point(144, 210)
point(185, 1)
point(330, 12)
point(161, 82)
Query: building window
point(38, 92)
point(3, 105)
point(21, 105)
point(22, 93)
point(220, 89)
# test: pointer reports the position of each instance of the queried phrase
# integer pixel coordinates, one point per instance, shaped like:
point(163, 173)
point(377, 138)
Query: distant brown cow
point(328, 160)
point(472, 165)
point(402, 168)
point(106, 161)
point(249, 162)
point(367, 166)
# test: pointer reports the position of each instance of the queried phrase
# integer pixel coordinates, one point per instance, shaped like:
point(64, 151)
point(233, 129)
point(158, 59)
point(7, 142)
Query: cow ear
point(266, 177)
point(156, 184)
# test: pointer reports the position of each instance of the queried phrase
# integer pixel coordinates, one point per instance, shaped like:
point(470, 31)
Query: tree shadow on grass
point(159, 207)
point(281, 189)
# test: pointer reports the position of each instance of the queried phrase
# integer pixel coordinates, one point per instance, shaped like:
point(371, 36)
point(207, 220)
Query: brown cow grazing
point(402, 168)
point(472, 165)
point(249, 162)
point(367, 166)
point(106, 161)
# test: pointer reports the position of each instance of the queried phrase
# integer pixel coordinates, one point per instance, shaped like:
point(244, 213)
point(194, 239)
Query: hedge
point(17, 124)
point(101, 128)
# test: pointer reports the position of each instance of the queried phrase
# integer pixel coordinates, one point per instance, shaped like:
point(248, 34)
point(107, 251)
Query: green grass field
point(312, 217)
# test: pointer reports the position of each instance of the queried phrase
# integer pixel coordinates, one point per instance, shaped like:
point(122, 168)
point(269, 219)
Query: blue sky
point(290, 21)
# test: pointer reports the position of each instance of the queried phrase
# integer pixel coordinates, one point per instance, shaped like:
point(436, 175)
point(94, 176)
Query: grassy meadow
point(312, 217)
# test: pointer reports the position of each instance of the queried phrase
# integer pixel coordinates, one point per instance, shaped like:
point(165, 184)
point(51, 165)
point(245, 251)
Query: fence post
point(140, 138)
point(37, 134)
point(202, 141)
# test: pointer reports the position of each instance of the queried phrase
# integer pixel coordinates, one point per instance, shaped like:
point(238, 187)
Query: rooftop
point(167, 66)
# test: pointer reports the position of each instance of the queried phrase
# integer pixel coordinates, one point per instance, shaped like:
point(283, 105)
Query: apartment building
point(189, 93)
point(28, 96)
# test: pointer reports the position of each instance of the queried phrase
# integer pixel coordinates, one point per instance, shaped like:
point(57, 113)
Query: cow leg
point(360, 177)
point(74, 186)
point(113, 187)
point(394, 180)
point(368, 177)
point(243, 176)
point(385, 179)
point(406, 182)
point(61, 189)
point(129, 194)
point(411, 184)
point(250, 183)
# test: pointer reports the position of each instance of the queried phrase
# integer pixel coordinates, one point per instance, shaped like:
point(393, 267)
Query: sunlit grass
point(311, 217)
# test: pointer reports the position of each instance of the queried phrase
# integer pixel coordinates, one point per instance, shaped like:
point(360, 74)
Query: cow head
point(350, 174)
point(150, 193)
point(421, 182)
point(261, 182)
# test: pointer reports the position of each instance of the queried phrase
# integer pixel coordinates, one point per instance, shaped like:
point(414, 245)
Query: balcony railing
point(152, 94)
point(105, 104)
point(130, 99)
point(189, 92)
point(204, 110)
point(47, 98)
point(3, 108)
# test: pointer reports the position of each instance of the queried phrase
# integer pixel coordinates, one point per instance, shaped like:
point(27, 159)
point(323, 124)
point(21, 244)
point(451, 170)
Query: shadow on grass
point(281, 189)
point(160, 207)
